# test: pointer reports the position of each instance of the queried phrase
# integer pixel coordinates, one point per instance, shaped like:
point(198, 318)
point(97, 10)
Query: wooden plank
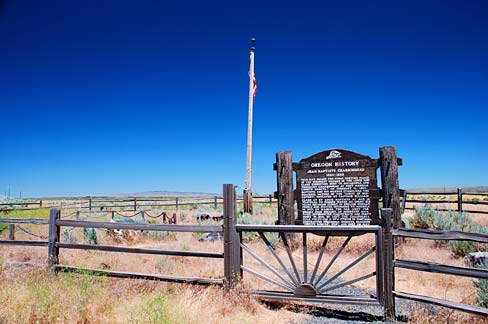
point(440, 235)
point(485, 203)
point(450, 210)
point(54, 234)
point(388, 271)
point(286, 198)
point(334, 299)
point(147, 276)
point(24, 220)
point(389, 183)
point(231, 239)
point(444, 303)
point(342, 230)
point(432, 201)
point(24, 243)
point(141, 227)
point(460, 200)
point(11, 232)
point(441, 268)
point(108, 248)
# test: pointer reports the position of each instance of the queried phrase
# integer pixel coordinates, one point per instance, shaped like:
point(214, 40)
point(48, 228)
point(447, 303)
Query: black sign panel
point(337, 188)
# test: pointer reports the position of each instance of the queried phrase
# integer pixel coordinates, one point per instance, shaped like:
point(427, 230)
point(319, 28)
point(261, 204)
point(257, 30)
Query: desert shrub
point(476, 199)
point(90, 235)
point(423, 217)
point(161, 235)
point(428, 218)
point(247, 219)
point(210, 208)
point(185, 247)
point(165, 263)
point(3, 226)
point(482, 285)
point(68, 236)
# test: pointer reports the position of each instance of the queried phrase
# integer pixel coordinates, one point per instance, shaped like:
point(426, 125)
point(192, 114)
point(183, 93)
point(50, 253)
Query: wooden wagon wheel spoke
point(267, 266)
point(332, 260)
point(350, 282)
point(290, 256)
point(277, 257)
point(352, 264)
point(265, 278)
point(319, 259)
point(304, 244)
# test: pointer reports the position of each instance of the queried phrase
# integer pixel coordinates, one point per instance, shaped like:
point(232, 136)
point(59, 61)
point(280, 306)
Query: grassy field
point(30, 294)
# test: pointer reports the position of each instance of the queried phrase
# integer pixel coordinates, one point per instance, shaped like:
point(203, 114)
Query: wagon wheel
point(302, 283)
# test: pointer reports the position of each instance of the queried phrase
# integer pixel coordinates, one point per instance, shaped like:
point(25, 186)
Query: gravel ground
point(349, 313)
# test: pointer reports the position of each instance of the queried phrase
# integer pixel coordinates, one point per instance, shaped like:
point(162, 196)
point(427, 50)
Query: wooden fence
point(128, 204)
point(435, 267)
point(461, 203)
point(232, 252)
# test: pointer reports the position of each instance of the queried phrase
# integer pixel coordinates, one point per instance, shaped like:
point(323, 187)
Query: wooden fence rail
point(440, 268)
point(459, 201)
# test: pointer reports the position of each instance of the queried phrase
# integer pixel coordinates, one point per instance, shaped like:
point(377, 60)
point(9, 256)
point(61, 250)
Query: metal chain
point(127, 216)
point(157, 216)
point(68, 216)
point(30, 233)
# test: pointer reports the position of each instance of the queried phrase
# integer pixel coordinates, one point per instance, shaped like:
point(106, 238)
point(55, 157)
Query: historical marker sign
point(337, 188)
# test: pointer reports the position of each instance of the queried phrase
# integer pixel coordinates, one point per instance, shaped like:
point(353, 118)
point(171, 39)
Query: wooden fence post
point(270, 200)
point(176, 203)
point(135, 203)
point(286, 199)
point(89, 203)
point(232, 260)
point(388, 271)
point(389, 183)
point(460, 200)
point(11, 232)
point(40, 203)
point(54, 234)
point(215, 202)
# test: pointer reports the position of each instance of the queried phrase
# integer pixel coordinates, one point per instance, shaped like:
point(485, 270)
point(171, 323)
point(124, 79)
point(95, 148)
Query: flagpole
point(248, 190)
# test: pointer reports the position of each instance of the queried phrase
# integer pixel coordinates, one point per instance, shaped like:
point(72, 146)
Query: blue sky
point(101, 97)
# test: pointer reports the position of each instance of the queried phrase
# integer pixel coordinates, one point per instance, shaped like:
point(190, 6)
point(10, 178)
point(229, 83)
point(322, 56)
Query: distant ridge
point(163, 194)
point(441, 190)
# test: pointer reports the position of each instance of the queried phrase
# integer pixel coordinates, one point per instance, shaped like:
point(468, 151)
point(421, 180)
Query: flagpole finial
point(253, 40)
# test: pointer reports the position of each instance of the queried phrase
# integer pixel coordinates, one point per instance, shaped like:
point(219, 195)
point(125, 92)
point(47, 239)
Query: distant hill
point(164, 194)
point(441, 190)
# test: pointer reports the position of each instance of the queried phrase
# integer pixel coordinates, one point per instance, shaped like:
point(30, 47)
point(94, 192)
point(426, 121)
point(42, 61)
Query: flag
point(254, 86)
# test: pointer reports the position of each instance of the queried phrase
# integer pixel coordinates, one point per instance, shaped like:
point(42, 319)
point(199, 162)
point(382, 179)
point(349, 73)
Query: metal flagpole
point(252, 91)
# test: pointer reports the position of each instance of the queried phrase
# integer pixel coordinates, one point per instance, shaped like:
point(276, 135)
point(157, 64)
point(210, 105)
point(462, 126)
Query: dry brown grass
point(35, 296)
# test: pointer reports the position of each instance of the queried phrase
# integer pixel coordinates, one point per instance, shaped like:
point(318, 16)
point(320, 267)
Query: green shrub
point(161, 235)
point(91, 235)
point(482, 285)
point(427, 217)
point(165, 263)
point(185, 247)
point(68, 236)
point(3, 226)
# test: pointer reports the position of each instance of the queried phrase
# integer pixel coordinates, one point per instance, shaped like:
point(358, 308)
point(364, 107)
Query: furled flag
point(254, 86)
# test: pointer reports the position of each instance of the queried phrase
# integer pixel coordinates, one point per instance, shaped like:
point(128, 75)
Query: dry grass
point(36, 296)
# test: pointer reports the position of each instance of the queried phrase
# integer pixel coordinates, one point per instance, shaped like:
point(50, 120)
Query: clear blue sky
point(100, 97)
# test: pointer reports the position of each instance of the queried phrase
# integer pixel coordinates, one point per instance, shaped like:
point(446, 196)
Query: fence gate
point(281, 262)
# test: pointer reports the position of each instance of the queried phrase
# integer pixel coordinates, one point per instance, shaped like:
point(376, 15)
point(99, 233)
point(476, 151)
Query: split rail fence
point(233, 250)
